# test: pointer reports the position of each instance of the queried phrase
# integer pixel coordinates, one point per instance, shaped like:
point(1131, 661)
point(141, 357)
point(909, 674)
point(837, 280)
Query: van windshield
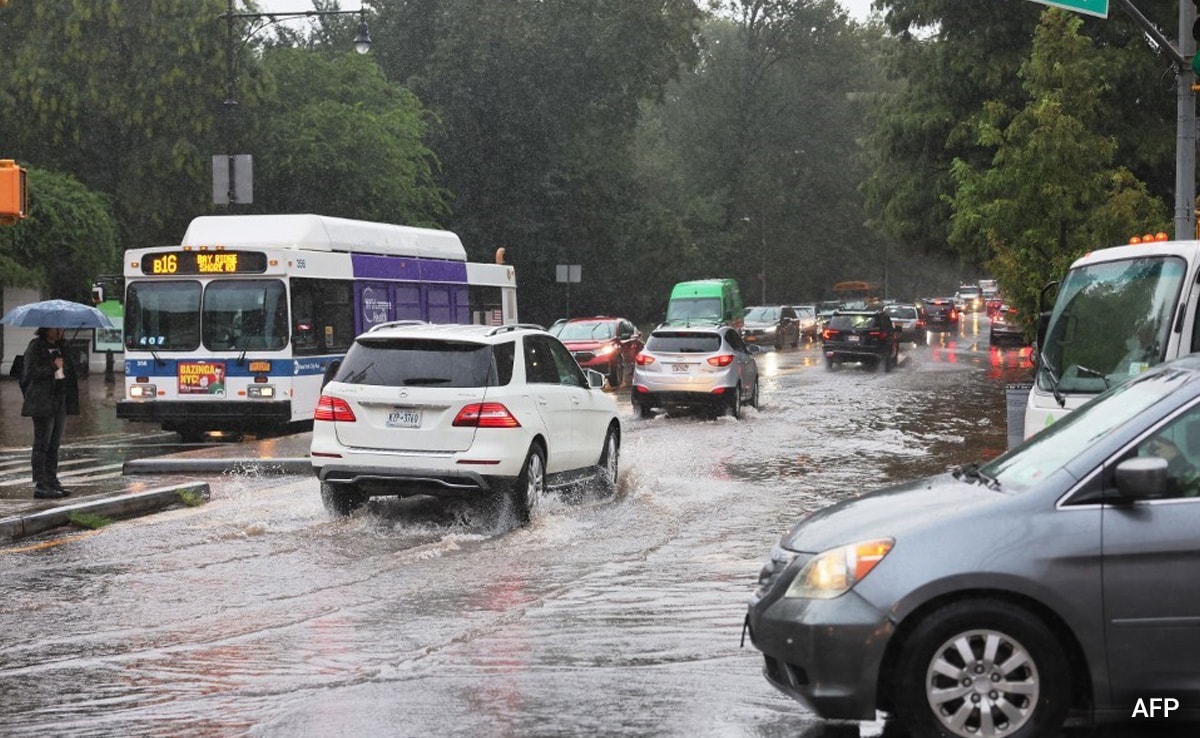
point(694, 308)
point(1110, 322)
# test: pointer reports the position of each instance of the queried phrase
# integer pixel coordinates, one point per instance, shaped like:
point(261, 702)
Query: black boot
point(55, 484)
point(44, 491)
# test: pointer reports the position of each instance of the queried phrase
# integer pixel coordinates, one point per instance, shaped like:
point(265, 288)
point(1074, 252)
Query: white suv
point(461, 411)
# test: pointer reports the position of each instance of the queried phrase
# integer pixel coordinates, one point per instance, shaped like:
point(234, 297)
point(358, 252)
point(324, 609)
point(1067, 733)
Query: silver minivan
point(1057, 580)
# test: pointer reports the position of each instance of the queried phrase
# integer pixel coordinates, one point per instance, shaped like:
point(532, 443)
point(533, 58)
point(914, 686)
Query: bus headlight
point(261, 391)
point(143, 391)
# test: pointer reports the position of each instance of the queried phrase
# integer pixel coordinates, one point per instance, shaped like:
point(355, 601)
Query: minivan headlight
point(832, 573)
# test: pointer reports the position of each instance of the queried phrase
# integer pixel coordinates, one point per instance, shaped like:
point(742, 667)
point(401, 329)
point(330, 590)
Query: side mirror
point(754, 348)
point(595, 379)
point(330, 369)
point(1141, 477)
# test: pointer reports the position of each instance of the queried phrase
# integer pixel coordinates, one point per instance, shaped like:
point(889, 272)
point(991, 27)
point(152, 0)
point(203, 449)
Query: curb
point(169, 465)
point(121, 506)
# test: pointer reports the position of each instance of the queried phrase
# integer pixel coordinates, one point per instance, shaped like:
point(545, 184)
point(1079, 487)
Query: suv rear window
point(421, 362)
point(902, 312)
point(684, 343)
point(851, 322)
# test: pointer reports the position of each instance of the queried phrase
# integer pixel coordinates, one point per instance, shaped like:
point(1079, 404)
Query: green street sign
point(1091, 7)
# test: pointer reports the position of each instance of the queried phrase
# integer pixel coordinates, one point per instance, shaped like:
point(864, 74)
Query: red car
point(603, 343)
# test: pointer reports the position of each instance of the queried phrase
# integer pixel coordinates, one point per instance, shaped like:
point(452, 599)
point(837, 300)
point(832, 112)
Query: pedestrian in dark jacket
point(52, 394)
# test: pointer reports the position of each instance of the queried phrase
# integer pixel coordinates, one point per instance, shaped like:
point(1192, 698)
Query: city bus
point(235, 329)
point(1118, 312)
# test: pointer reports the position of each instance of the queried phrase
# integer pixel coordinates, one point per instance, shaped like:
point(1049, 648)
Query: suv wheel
point(341, 499)
point(643, 410)
point(754, 395)
point(735, 403)
point(530, 486)
point(609, 462)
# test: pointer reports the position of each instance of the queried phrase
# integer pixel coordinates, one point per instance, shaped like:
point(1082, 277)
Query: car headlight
point(605, 350)
point(832, 573)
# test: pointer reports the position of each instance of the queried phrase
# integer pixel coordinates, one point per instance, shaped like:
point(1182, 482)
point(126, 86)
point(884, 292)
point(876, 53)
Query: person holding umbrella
point(51, 395)
point(51, 388)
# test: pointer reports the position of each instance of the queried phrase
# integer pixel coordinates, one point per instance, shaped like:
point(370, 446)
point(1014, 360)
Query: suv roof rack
point(396, 324)
point(515, 326)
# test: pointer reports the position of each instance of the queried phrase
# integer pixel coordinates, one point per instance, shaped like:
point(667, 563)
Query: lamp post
point(233, 173)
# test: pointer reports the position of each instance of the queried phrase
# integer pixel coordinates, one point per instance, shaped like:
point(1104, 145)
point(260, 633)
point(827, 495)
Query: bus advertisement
point(234, 329)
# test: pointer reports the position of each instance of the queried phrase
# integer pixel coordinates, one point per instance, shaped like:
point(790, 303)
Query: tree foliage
point(68, 238)
point(1051, 191)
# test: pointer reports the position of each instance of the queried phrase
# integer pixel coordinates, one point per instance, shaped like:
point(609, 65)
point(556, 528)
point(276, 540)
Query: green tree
point(951, 57)
point(336, 138)
point(1051, 191)
point(67, 239)
point(124, 96)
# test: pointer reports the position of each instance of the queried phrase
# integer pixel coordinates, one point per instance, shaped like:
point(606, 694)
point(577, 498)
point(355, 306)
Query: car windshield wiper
point(359, 375)
point(1049, 369)
point(972, 473)
point(1092, 373)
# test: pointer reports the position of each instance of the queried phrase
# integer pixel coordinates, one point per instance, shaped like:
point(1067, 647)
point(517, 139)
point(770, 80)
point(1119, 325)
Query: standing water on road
point(259, 614)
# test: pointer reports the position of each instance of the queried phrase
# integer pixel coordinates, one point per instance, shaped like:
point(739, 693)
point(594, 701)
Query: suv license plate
point(679, 368)
point(399, 418)
point(853, 339)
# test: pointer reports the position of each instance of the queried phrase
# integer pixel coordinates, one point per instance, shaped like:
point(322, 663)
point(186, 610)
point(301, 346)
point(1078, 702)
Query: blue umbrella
point(56, 314)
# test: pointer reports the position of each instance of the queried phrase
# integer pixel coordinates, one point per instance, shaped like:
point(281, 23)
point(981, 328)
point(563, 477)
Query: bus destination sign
point(204, 262)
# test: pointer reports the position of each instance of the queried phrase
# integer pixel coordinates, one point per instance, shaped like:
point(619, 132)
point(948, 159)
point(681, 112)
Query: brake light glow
point(643, 359)
point(334, 409)
point(485, 415)
point(722, 360)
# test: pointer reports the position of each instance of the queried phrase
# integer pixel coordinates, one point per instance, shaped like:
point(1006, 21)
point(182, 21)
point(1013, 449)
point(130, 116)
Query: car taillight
point(643, 359)
point(876, 334)
point(828, 333)
point(953, 314)
point(335, 409)
point(722, 360)
point(485, 415)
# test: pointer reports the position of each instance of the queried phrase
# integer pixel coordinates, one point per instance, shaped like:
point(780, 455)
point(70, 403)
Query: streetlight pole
point(228, 183)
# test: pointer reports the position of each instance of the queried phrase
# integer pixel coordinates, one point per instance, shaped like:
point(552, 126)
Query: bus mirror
point(1043, 325)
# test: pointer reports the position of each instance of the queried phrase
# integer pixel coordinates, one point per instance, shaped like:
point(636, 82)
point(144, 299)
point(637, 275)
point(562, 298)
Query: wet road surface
point(259, 614)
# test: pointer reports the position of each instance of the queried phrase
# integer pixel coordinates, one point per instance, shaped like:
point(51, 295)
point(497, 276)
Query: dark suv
point(866, 336)
point(940, 312)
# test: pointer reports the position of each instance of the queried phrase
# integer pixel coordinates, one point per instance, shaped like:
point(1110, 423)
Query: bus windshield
point(1110, 322)
point(162, 316)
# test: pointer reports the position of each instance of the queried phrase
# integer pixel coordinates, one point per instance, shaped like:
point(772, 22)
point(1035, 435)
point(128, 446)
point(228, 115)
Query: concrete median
point(116, 507)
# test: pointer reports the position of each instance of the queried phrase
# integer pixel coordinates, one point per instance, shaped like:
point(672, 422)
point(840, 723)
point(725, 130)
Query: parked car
point(461, 411)
point(1005, 326)
point(706, 368)
point(776, 325)
point(940, 312)
point(910, 319)
point(806, 315)
point(603, 343)
point(1002, 597)
point(865, 336)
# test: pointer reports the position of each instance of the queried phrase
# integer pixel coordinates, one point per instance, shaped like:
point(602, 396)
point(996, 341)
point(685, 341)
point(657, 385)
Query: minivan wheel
point(980, 669)
point(530, 487)
point(341, 499)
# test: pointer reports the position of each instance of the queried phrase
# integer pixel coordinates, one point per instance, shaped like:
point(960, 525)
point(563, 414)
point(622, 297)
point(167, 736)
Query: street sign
point(568, 273)
point(1091, 7)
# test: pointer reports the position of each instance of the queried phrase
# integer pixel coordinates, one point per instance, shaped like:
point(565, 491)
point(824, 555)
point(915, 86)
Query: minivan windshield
point(1050, 450)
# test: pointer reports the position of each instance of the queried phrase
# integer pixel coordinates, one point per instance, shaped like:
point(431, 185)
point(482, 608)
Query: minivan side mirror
point(1141, 477)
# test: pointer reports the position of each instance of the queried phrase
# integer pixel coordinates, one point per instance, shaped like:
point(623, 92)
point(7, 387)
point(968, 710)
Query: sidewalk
point(129, 498)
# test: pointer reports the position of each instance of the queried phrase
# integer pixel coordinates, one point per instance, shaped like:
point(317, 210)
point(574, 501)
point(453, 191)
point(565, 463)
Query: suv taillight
point(722, 360)
point(643, 359)
point(335, 409)
point(485, 415)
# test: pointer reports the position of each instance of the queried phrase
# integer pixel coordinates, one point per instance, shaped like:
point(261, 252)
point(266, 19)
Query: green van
point(706, 301)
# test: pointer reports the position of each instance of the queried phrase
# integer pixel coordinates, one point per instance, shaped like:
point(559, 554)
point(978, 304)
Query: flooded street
point(259, 614)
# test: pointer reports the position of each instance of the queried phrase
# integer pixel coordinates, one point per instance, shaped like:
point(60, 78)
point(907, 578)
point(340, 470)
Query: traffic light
point(14, 195)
